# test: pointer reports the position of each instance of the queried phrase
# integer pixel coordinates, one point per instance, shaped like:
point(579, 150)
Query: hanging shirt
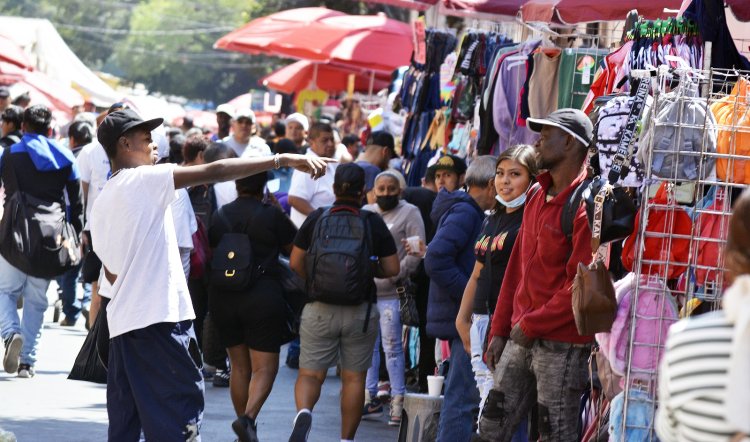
point(543, 83)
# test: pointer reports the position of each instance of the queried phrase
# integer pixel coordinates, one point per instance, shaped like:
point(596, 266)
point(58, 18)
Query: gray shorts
point(329, 333)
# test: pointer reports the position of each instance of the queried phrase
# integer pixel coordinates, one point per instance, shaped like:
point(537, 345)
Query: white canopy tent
point(51, 55)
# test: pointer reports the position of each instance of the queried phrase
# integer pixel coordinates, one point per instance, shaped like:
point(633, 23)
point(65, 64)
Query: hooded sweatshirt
point(450, 259)
point(402, 221)
point(45, 170)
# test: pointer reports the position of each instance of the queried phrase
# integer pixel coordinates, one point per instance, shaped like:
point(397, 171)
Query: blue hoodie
point(450, 259)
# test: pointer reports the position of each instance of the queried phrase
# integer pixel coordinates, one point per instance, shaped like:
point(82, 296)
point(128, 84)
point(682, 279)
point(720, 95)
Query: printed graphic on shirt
point(484, 241)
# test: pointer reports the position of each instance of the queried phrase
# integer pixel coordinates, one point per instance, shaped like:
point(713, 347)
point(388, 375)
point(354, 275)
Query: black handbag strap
point(628, 134)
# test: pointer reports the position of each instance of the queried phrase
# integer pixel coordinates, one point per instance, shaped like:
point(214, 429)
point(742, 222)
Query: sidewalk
point(49, 407)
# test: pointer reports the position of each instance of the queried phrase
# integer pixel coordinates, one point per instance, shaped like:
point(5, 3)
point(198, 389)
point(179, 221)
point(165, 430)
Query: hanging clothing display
point(655, 43)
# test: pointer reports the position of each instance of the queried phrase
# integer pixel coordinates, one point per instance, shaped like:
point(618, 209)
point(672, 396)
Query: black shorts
point(256, 318)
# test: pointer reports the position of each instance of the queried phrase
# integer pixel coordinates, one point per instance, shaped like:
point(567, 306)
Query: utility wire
point(98, 30)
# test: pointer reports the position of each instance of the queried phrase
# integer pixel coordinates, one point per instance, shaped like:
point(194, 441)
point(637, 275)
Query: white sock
point(304, 410)
point(347, 440)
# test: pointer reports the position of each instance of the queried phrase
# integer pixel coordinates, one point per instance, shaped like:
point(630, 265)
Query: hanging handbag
point(593, 297)
point(618, 209)
point(407, 301)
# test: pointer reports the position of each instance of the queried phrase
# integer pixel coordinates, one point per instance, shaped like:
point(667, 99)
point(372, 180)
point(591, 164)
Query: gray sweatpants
point(552, 374)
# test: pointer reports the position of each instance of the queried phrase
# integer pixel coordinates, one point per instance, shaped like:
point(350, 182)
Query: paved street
point(49, 407)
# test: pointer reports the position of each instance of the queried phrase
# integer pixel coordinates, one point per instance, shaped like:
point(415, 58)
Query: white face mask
point(519, 201)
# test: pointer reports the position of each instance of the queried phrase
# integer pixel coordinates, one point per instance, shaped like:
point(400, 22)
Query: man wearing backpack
point(339, 250)
point(46, 172)
point(535, 350)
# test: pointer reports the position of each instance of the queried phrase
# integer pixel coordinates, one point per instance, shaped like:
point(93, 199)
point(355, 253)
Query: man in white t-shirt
point(305, 194)
point(243, 140)
point(154, 383)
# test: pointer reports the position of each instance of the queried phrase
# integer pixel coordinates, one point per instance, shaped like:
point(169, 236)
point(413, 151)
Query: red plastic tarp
point(297, 76)
point(740, 8)
point(256, 36)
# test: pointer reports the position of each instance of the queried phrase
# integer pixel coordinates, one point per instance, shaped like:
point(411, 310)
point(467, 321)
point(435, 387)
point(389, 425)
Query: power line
point(98, 30)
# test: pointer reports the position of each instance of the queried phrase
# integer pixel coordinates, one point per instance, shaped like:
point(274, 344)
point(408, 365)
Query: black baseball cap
point(572, 121)
point(450, 162)
point(4, 92)
point(350, 178)
point(118, 122)
point(382, 138)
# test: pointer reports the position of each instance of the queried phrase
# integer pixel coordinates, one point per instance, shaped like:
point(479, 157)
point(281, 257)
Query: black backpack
point(37, 237)
point(233, 265)
point(338, 264)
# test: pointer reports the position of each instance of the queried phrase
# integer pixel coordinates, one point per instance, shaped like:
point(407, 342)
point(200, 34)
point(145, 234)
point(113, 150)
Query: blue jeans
point(68, 283)
point(390, 331)
point(14, 283)
point(461, 398)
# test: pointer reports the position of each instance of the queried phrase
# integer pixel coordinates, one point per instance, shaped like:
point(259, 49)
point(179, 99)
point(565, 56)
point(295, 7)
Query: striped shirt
point(693, 381)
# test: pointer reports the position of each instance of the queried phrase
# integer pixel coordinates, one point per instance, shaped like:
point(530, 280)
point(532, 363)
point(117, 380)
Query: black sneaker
point(245, 429)
point(25, 371)
point(302, 425)
point(372, 410)
point(12, 352)
point(221, 378)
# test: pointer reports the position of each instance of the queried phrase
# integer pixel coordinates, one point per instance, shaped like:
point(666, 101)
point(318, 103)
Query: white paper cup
point(413, 242)
point(435, 385)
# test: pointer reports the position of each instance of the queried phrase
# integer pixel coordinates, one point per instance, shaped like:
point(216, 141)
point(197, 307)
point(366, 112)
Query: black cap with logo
point(118, 122)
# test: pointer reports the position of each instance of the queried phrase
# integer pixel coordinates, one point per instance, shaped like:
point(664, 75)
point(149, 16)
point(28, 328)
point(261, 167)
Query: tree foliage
point(168, 44)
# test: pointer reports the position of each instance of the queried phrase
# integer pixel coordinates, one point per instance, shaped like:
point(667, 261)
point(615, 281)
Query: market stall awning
point(371, 42)
point(13, 53)
point(740, 8)
point(56, 95)
point(256, 36)
point(298, 76)
point(583, 11)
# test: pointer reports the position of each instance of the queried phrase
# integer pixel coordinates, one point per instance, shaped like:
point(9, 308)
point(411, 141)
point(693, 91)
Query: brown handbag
point(594, 302)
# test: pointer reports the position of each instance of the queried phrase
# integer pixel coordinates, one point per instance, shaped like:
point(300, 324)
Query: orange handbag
point(668, 252)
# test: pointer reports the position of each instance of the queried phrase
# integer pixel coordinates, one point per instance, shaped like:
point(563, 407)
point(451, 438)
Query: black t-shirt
point(267, 226)
point(382, 240)
point(499, 233)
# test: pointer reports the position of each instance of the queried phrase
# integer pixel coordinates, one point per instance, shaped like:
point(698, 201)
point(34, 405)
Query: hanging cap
point(572, 121)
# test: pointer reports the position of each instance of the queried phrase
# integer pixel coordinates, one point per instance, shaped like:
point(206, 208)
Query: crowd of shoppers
point(219, 307)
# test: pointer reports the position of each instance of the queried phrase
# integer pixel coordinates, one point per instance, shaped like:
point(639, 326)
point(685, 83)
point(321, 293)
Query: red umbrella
point(418, 5)
point(298, 76)
point(369, 42)
point(256, 36)
point(12, 53)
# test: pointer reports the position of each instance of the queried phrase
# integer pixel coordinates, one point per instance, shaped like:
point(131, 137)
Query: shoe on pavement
point(302, 425)
point(25, 371)
point(66, 322)
point(245, 429)
point(221, 378)
point(372, 410)
point(384, 390)
point(85, 312)
point(397, 406)
point(12, 352)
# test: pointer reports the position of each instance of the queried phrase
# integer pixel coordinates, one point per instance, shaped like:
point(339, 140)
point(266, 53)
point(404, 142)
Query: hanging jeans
point(393, 347)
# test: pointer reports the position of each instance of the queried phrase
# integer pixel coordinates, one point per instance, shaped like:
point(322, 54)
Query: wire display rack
point(701, 167)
